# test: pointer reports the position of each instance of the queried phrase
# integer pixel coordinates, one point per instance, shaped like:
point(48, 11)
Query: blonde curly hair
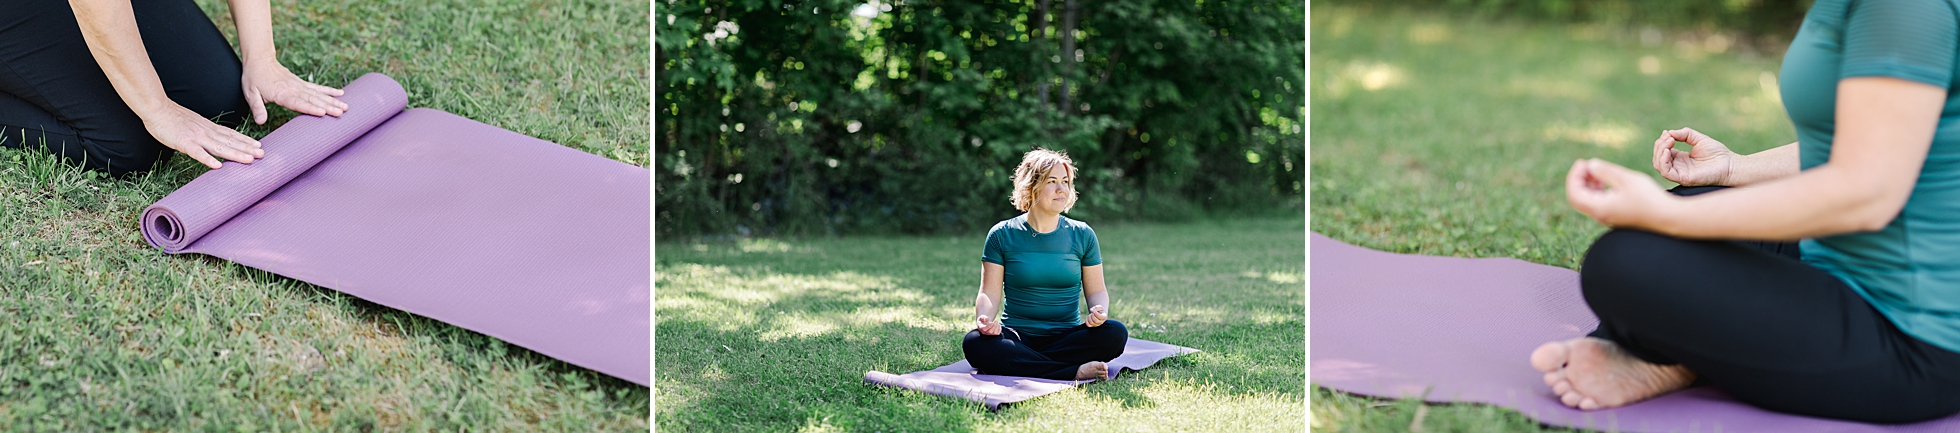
point(1037, 163)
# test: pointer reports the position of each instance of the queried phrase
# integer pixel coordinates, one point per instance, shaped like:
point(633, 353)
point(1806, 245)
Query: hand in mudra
point(1709, 163)
point(988, 326)
point(1097, 315)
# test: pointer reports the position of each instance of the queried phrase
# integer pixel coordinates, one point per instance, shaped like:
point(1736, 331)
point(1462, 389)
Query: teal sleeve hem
point(1937, 78)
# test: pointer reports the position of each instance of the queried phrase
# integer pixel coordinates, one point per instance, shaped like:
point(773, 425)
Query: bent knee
point(128, 162)
point(1622, 255)
point(973, 336)
point(1630, 267)
point(1114, 328)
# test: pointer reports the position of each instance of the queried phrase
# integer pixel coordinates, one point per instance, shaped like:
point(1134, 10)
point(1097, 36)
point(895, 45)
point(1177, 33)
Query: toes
point(1571, 399)
point(1549, 357)
point(1588, 404)
point(1562, 387)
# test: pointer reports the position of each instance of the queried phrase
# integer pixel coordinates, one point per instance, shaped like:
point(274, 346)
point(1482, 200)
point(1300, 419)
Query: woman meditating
point(1819, 278)
point(1037, 270)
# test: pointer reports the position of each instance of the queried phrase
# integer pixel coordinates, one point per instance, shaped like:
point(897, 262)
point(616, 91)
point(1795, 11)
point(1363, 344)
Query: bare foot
point(1092, 370)
point(1590, 373)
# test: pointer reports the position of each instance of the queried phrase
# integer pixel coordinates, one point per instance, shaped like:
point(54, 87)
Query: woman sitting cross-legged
point(1038, 269)
point(1821, 278)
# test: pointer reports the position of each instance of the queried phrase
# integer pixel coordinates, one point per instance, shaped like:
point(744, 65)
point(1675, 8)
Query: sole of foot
point(1591, 373)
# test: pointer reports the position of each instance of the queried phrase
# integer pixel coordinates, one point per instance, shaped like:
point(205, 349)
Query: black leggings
point(1051, 357)
point(1753, 319)
point(51, 88)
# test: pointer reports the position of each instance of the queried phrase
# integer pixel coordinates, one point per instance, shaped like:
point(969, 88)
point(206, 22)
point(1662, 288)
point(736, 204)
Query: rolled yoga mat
point(960, 380)
point(424, 211)
point(1450, 329)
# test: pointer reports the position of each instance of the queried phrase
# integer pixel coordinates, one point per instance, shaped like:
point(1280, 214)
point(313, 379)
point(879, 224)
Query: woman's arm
point(986, 307)
point(1096, 294)
point(109, 29)
point(266, 80)
point(1712, 163)
point(1776, 163)
point(1884, 129)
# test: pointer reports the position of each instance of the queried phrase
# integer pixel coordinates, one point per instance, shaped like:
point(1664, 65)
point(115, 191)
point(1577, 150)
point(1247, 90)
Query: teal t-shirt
point(1910, 270)
point(1043, 280)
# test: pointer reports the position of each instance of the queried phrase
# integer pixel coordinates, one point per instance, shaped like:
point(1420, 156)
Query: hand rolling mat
point(1453, 329)
point(424, 211)
point(959, 380)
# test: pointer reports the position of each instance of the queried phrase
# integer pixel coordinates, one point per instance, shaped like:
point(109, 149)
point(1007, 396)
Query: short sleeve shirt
point(1043, 279)
point(1909, 270)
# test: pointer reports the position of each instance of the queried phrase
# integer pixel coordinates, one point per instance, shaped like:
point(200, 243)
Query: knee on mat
point(1113, 336)
point(1113, 330)
point(1626, 262)
point(976, 340)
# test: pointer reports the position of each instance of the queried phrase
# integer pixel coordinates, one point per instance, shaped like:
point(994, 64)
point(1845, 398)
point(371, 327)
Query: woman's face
point(1054, 191)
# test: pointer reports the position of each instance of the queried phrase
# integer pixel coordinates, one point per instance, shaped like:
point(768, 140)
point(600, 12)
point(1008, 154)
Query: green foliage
point(799, 118)
point(1773, 18)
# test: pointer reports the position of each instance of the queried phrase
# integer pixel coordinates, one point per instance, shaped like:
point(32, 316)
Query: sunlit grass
point(1462, 147)
point(776, 335)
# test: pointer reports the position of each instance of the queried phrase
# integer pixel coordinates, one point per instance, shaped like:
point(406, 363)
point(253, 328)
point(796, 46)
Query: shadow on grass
point(776, 335)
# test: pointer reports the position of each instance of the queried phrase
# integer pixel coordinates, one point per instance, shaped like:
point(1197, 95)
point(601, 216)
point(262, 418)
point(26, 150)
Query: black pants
point(1051, 357)
point(52, 89)
point(1751, 318)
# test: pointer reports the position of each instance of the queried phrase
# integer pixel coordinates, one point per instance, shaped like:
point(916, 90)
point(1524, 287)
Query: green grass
point(776, 335)
point(1440, 135)
point(99, 331)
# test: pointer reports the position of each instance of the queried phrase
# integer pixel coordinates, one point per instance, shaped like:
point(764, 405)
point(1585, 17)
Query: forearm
point(109, 29)
point(1098, 298)
point(1775, 163)
point(1824, 201)
point(254, 21)
point(988, 303)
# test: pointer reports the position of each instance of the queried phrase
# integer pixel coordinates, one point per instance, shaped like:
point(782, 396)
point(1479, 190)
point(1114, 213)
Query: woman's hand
point(268, 81)
point(1709, 163)
point(1616, 196)
point(1097, 315)
point(182, 129)
point(988, 326)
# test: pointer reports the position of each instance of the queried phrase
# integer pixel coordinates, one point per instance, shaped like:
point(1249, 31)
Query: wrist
point(1734, 175)
point(154, 111)
point(262, 63)
point(1664, 216)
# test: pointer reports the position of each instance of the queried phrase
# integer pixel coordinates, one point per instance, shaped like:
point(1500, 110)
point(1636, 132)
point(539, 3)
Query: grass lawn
point(776, 335)
point(99, 331)
point(1441, 135)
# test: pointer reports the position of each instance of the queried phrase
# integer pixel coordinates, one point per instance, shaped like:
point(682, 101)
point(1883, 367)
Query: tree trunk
point(1068, 55)
point(1038, 39)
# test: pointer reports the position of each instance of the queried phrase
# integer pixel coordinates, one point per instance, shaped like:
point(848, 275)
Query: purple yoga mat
point(518, 238)
point(1454, 329)
point(960, 380)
